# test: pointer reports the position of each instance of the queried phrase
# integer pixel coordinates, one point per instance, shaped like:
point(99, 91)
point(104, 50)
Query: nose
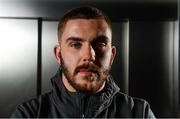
point(89, 54)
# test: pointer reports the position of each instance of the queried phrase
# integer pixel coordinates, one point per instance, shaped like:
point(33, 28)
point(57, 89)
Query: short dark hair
point(86, 12)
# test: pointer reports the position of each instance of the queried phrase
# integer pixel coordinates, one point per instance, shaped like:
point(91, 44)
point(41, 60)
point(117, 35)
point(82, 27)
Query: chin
point(88, 86)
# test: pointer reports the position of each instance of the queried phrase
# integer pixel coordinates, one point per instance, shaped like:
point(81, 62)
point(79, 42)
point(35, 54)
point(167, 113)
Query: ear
point(57, 50)
point(113, 54)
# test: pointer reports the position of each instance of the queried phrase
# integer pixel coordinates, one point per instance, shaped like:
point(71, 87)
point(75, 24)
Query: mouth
point(88, 72)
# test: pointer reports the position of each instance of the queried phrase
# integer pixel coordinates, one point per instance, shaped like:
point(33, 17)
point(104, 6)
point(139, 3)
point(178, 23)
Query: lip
point(87, 72)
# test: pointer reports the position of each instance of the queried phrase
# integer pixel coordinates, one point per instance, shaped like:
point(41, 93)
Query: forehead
point(86, 28)
point(94, 22)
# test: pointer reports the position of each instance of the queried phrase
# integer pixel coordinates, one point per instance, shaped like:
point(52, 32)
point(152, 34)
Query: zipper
point(82, 105)
point(83, 116)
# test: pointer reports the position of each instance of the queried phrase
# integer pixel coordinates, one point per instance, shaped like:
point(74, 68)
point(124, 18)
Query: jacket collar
point(98, 101)
point(110, 88)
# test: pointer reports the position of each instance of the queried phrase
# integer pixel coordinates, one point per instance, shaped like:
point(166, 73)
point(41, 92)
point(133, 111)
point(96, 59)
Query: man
point(82, 86)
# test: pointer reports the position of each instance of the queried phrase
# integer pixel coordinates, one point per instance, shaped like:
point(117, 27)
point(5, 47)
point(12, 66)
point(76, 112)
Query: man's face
point(85, 54)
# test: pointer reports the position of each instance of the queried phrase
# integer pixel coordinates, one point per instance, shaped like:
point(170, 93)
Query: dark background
point(146, 34)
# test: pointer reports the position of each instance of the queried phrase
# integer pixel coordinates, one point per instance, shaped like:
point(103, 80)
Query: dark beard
point(101, 76)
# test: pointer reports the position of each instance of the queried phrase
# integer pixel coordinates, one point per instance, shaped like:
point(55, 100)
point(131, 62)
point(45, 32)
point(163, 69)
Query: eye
point(100, 44)
point(75, 45)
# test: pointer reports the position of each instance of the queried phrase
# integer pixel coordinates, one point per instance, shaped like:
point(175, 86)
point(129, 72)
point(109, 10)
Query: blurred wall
point(146, 35)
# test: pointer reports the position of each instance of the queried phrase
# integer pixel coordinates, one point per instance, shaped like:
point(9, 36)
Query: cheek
point(105, 59)
point(70, 61)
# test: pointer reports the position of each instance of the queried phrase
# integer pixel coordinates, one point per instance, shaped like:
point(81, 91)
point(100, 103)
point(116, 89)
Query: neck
point(67, 84)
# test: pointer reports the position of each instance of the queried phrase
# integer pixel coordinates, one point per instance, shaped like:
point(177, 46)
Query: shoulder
point(130, 100)
point(137, 106)
point(30, 108)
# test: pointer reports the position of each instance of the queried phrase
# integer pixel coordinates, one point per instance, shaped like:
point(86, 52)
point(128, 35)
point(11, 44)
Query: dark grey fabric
point(109, 103)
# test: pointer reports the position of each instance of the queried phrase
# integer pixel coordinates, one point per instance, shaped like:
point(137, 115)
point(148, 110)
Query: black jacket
point(59, 102)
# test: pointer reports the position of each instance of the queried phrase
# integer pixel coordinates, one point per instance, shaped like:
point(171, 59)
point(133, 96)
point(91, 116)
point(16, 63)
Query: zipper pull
point(83, 116)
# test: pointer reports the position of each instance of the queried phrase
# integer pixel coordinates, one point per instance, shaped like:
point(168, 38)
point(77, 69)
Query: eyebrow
point(74, 39)
point(102, 38)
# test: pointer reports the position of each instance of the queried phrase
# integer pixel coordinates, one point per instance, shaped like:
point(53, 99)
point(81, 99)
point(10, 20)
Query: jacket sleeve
point(142, 109)
point(20, 112)
point(148, 112)
point(26, 110)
